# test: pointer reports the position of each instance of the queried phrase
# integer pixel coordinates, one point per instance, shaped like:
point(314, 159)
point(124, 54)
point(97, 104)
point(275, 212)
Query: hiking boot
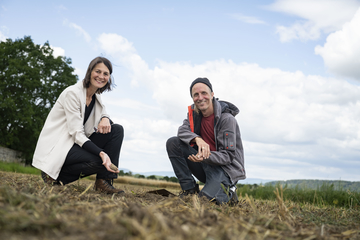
point(234, 200)
point(194, 190)
point(106, 186)
point(49, 180)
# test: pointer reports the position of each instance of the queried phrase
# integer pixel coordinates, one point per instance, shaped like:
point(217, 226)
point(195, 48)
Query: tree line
point(31, 79)
point(318, 184)
point(154, 177)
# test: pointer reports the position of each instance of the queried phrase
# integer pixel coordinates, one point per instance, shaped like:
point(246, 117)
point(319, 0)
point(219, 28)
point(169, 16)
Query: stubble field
point(29, 209)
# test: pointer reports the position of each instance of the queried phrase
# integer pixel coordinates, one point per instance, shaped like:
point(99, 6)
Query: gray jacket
point(229, 152)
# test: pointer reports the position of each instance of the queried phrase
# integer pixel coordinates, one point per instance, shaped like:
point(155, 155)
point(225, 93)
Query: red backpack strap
point(191, 118)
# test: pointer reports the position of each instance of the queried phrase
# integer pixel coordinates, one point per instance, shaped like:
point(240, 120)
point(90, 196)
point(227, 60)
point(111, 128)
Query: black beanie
point(200, 80)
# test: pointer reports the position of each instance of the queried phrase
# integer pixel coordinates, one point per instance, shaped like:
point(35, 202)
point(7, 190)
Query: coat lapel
point(82, 100)
point(89, 125)
point(95, 114)
point(98, 108)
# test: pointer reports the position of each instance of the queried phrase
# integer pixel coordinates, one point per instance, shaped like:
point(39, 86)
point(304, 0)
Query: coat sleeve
point(184, 132)
point(226, 143)
point(74, 118)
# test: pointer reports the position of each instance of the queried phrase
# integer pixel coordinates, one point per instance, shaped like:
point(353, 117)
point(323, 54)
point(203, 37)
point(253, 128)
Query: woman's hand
point(104, 126)
point(107, 162)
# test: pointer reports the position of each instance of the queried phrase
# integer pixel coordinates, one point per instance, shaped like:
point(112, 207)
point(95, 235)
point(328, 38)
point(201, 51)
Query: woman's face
point(99, 75)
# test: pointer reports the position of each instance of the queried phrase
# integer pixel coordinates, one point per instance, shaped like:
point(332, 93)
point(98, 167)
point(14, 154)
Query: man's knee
point(172, 143)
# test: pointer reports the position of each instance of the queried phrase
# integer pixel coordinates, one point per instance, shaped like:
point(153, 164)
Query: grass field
point(29, 209)
point(325, 195)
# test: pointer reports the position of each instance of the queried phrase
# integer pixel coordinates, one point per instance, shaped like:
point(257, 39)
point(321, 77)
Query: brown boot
point(106, 186)
point(49, 180)
point(192, 191)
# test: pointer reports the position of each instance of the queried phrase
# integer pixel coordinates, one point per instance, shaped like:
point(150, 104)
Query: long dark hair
point(109, 85)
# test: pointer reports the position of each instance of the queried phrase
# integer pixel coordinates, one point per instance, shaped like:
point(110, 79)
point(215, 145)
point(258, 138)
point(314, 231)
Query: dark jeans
point(212, 175)
point(81, 163)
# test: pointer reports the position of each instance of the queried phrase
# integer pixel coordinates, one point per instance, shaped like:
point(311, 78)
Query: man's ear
point(212, 95)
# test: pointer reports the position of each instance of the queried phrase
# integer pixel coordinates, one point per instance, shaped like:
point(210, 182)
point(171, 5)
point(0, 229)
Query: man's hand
point(104, 126)
point(107, 162)
point(195, 158)
point(203, 148)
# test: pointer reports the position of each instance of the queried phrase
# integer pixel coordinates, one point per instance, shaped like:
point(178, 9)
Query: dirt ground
point(29, 209)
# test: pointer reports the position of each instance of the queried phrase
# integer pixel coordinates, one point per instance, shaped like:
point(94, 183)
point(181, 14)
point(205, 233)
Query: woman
point(78, 138)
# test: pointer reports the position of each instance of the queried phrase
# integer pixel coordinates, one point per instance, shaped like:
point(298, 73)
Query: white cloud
point(246, 19)
point(3, 31)
point(288, 120)
point(119, 47)
point(317, 17)
point(58, 51)
point(279, 107)
point(2, 37)
point(133, 104)
point(80, 72)
point(342, 49)
point(80, 31)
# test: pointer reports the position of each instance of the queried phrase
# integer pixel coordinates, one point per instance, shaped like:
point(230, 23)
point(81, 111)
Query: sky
point(292, 67)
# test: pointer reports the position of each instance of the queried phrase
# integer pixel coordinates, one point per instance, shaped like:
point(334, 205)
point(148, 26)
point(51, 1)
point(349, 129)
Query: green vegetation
point(31, 80)
point(325, 195)
point(315, 184)
point(154, 177)
point(15, 167)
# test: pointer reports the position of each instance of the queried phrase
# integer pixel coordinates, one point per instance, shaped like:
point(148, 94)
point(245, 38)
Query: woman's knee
point(118, 129)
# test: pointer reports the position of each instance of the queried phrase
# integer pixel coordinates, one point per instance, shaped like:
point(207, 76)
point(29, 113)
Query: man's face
point(202, 96)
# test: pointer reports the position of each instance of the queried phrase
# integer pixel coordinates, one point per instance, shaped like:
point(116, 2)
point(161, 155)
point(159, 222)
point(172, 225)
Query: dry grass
point(29, 209)
point(145, 182)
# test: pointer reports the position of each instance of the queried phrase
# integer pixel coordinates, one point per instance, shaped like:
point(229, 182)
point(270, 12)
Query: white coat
point(64, 127)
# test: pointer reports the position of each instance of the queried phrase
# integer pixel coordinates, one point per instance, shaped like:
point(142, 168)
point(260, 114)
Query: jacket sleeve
point(184, 132)
point(226, 142)
point(74, 118)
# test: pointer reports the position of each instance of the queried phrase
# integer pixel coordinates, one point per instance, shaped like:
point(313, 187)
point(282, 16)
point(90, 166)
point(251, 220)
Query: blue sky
point(292, 68)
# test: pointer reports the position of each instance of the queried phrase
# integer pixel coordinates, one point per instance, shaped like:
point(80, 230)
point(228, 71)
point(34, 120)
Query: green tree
point(31, 79)
point(129, 174)
point(151, 177)
point(174, 179)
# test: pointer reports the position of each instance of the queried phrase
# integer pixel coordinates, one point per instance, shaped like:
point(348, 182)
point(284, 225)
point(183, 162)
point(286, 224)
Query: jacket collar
point(80, 85)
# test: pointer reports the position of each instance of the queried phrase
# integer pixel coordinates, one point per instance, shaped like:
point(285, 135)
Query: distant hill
point(254, 181)
point(317, 184)
point(159, 173)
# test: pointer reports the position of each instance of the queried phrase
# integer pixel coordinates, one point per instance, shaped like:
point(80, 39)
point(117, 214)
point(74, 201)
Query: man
point(208, 146)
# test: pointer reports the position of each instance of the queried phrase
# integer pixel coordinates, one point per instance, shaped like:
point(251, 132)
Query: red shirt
point(207, 131)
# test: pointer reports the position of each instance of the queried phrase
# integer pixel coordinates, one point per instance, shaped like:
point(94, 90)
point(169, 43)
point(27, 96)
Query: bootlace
point(109, 183)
